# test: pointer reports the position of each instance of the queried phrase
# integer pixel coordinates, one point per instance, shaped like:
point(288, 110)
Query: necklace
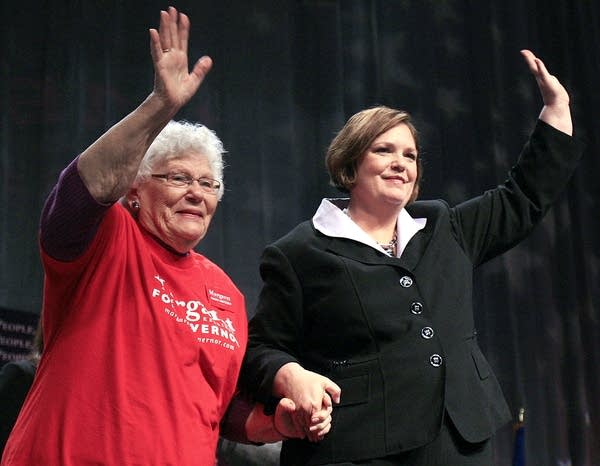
point(389, 248)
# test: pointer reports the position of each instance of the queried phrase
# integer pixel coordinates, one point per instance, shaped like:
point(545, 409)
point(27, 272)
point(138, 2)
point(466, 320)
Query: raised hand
point(109, 166)
point(173, 81)
point(556, 111)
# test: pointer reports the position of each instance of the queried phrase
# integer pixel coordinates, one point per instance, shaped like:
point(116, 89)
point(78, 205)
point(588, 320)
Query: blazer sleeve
point(497, 220)
point(275, 331)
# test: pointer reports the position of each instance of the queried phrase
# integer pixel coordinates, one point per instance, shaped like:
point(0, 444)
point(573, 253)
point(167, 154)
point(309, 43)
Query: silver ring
point(166, 50)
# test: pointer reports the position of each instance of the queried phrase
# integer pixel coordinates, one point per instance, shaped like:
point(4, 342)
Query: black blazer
point(397, 335)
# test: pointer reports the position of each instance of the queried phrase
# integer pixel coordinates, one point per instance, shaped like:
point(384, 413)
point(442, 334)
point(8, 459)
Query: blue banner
point(519, 440)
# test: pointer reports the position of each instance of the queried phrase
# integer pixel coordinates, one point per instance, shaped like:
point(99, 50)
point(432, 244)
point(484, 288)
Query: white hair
point(180, 137)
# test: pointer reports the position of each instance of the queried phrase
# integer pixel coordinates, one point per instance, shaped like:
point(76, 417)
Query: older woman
point(369, 303)
point(144, 337)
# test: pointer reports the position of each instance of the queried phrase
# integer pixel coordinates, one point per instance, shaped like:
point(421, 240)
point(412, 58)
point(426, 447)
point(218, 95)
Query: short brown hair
point(349, 145)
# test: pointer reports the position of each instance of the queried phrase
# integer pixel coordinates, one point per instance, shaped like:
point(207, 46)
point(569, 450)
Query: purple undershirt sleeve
point(233, 424)
point(70, 217)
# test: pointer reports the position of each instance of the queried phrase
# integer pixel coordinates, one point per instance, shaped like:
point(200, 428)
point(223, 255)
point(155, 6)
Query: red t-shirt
point(142, 353)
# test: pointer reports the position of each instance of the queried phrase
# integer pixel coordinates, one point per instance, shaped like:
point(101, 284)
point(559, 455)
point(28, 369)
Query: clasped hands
point(312, 397)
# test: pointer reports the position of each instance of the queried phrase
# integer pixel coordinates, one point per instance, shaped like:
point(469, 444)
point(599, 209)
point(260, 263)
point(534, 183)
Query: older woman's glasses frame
point(183, 180)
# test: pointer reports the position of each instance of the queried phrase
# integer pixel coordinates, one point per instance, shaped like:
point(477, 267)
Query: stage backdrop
point(286, 76)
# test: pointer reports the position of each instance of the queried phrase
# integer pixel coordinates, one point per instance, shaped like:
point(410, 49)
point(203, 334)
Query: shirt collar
point(331, 220)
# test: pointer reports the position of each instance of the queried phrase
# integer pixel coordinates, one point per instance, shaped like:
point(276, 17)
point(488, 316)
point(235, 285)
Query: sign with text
point(17, 329)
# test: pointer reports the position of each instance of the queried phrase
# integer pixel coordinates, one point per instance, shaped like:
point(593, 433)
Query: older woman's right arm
point(109, 166)
point(105, 170)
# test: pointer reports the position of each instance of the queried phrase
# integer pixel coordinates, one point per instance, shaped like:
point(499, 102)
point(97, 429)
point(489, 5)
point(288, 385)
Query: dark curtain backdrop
point(287, 74)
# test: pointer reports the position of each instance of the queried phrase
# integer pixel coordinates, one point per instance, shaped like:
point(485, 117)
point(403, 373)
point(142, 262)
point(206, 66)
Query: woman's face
point(178, 216)
point(387, 172)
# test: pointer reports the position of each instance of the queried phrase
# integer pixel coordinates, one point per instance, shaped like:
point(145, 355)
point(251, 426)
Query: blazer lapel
point(415, 248)
point(367, 255)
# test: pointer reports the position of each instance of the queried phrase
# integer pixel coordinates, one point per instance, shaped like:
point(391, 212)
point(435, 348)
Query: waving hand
point(108, 167)
point(556, 111)
point(169, 48)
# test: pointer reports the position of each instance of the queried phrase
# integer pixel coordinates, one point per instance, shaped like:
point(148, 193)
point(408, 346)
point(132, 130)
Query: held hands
point(169, 49)
point(312, 394)
point(556, 111)
point(285, 424)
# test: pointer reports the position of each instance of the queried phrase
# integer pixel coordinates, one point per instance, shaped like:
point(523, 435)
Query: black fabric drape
point(287, 74)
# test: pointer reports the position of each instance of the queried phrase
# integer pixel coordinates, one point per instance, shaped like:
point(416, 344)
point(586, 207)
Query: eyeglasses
point(183, 180)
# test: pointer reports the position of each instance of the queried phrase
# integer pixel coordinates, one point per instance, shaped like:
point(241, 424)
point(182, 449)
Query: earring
point(135, 205)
